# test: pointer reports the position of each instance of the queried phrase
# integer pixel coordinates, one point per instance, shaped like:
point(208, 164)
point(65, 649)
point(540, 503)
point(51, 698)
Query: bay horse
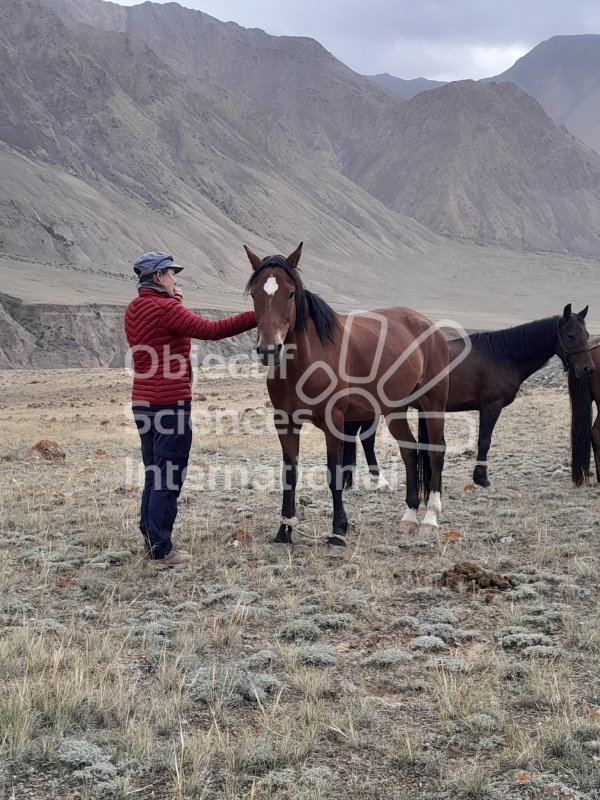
point(489, 377)
point(326, 368)
point(584, 435)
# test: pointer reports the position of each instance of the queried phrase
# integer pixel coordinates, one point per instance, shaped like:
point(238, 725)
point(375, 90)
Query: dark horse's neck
point(525, 347)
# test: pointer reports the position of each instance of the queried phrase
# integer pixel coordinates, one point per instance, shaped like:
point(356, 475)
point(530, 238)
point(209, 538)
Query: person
point(159, 329)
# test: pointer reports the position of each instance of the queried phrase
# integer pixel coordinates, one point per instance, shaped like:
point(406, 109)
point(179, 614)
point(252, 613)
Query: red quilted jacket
point(158, 330)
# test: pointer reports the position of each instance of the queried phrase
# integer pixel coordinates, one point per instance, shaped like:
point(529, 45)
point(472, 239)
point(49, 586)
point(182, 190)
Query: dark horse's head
point(283, 305)
point(573, 348)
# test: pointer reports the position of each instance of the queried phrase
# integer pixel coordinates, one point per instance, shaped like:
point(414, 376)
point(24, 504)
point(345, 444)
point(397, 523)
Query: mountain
point(107, 151)
point(404, 88)
point(124, 130)
point(426, 158)
point(563, 74)
point(484, 162)
point(294, 80)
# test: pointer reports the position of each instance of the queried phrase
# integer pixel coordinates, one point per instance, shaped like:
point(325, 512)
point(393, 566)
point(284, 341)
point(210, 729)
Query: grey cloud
point(433, 38)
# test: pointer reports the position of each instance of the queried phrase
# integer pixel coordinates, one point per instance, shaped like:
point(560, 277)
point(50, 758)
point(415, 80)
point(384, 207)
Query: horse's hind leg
point(368, 432)
point(351, 430)
point(290, 446)
point(333, 430)
point(399, 428)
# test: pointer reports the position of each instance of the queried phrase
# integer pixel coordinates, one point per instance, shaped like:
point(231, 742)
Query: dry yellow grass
point(260, 673)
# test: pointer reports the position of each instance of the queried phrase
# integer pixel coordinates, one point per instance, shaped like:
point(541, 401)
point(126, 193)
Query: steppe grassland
point(256, 673)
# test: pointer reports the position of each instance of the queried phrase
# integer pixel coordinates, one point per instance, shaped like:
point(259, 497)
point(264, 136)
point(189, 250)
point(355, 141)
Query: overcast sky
point(438, 39)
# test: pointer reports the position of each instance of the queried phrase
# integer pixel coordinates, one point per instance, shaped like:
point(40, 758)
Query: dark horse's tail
point(423, 462)
point(581, 428)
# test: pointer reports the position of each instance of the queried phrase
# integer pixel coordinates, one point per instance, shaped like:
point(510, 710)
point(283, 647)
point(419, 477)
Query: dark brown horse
point(326, 368)
point(585, 436)
point(490, 376)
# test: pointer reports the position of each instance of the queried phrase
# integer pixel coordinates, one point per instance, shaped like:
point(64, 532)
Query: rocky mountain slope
point(404, 88)
point(563, 74)
point(294, 81)
point(106, 150)
point(47, 335)
point(526, 184)
point(484, 162)
point(122, 130)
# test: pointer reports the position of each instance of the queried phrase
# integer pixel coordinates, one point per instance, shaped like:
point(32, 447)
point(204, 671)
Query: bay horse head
point(573, 346)
point(277, 291)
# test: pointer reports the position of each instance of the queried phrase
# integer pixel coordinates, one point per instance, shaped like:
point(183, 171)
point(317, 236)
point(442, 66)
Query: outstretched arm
point(180, 320)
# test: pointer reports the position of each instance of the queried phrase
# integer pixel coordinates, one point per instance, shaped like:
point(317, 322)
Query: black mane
point(521, 343)
point(308, 304)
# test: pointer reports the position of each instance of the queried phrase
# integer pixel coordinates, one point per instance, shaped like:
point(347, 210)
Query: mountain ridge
point(107, 151)
point(367, 135)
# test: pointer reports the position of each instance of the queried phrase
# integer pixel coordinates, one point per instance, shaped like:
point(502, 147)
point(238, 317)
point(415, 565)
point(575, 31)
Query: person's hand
point(177, 293)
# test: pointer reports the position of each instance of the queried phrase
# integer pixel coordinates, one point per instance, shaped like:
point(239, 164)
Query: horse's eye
point(292, 294)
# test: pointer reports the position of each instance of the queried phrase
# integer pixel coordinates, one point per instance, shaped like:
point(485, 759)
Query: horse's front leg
point(334, 437)
point(289, 438)
point(436, 450)
point(488, 417)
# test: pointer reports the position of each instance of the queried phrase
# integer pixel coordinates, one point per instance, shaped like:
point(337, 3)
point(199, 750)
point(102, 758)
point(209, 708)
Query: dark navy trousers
point(166, 438)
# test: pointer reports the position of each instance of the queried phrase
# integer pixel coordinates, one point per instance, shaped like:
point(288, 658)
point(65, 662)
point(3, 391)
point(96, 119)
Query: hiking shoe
point(172, 559)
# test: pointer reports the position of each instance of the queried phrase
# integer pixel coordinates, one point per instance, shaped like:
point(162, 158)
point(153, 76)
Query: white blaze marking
point(271, 285)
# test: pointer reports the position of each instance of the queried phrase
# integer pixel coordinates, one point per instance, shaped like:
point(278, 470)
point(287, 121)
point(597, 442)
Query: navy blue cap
point(154, 262)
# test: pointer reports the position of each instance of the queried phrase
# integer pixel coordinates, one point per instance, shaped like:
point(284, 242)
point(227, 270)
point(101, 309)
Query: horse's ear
point(567, 311)
point(254, 259)
point(294, 257)
point(583, 314)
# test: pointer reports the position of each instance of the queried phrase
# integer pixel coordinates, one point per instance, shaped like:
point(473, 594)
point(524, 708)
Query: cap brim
point(176, 267)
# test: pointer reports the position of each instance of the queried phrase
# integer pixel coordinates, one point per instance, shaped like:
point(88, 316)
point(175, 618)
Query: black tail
point(423, 462)
point(349, 454)
point(581, 428)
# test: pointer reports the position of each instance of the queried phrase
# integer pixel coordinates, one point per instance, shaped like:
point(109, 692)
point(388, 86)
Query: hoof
point(409, 527)
point(335, 547)
point(284, 535)
point(428, 528)
point(480, 477)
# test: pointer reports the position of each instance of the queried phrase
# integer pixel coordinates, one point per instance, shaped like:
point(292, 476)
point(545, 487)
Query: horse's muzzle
point(270, 356)
point(584, 372)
